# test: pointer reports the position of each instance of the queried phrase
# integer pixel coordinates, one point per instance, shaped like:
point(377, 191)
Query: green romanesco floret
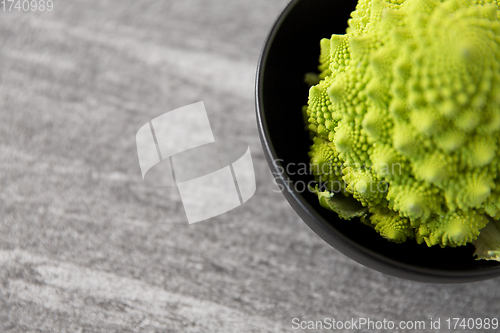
point(406, 117)
point(326, 165)
point(391, 225)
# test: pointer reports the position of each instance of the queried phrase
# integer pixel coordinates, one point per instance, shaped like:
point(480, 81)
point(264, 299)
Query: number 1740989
point(26, 5)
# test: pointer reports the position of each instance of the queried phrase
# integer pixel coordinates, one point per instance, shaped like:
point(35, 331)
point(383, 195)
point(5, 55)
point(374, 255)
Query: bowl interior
point(291, 50)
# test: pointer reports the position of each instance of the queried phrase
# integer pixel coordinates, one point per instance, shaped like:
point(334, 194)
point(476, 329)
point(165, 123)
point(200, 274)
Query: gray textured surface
point(86, 246)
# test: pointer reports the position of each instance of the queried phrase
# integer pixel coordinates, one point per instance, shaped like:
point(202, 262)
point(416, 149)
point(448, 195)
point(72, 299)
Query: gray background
point(86, 246)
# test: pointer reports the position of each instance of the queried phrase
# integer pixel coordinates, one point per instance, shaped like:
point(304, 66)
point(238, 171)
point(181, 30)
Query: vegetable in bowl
point(405, 120)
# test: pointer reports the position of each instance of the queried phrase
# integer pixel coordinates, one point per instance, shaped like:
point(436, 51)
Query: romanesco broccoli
point(406, 120)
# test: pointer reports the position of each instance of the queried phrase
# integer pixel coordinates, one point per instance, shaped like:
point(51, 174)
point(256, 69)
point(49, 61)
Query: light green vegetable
point(406, 120)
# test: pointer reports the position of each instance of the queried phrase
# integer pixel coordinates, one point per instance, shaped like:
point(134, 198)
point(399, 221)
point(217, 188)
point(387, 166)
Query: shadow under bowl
point(291, 50)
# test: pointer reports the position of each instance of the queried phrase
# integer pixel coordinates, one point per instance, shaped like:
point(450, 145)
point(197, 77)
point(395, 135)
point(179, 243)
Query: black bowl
point(291, 50)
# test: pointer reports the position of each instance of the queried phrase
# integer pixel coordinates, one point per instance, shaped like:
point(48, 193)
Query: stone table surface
point(87, 246)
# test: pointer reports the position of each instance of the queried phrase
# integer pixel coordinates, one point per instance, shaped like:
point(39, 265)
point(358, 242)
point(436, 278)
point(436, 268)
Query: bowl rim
point(317, 222)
